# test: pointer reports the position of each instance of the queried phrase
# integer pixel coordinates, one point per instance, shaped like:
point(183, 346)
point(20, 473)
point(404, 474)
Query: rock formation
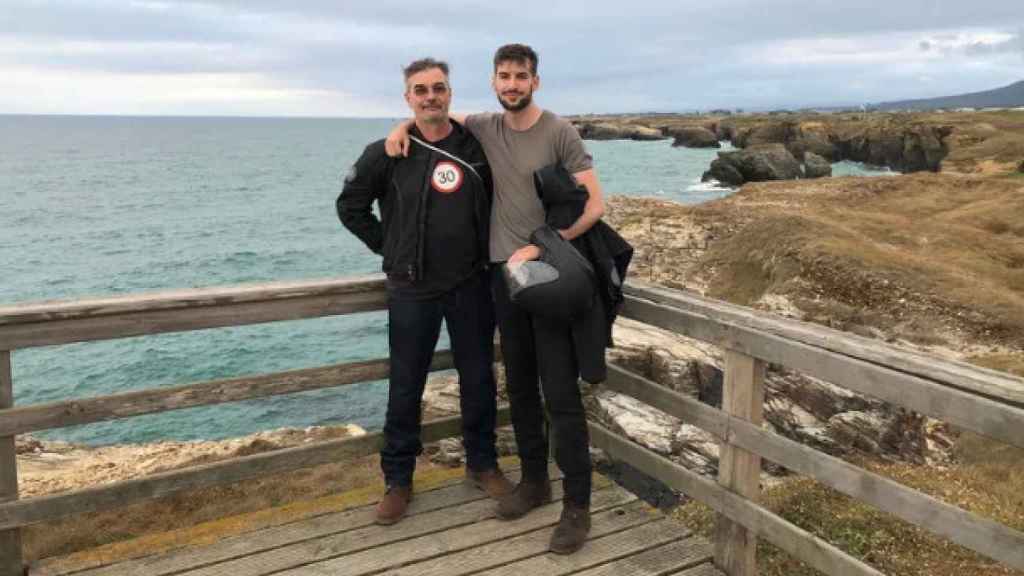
point(757, 163)
point(695, 137)
point(615, 131)
point(815, 166)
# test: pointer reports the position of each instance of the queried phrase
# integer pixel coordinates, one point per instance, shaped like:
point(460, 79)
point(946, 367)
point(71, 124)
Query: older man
point(433, 235)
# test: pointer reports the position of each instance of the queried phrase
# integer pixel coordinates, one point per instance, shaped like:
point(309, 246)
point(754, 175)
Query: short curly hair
point(518, 53)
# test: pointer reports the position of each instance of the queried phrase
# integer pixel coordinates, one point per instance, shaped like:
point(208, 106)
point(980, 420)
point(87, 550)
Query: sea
point(96, 206)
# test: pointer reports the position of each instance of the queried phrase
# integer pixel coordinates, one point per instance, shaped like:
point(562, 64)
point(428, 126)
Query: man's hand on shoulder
point(397, 143)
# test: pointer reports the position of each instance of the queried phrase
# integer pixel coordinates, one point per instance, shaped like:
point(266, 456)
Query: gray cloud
point(595, 56)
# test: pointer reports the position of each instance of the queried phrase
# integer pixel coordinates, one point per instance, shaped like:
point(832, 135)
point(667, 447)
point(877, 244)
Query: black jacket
point(401, 186)
point(608, 253)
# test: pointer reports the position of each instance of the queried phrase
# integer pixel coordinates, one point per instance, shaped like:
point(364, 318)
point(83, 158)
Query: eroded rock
point(695, 137)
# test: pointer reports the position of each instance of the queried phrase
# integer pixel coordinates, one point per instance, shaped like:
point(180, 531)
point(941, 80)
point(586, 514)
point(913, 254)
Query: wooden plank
point(118, 494)
point(739, 470)
point(982, 535)
point(352, 540)
point(702, 570)
point(400, 552)
point(276, 537)
point(658, 561)
point(967, 410)
point(470, 560)
point(640, 551)
point(990, 383)
point(799, 543)
point(11, 562)
point(218, 296)
point(144, 322)
point(116, 406)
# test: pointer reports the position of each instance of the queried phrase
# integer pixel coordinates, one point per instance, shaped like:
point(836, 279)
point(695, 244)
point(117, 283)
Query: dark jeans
point(535, 348)
point(413, 329)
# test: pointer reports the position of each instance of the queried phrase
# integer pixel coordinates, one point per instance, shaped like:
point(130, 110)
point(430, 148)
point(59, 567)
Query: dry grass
point(918, 253)
point(988, 480)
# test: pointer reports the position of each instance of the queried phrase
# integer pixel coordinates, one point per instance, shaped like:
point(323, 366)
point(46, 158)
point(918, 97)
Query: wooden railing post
point(739, 470)
point(10, 540)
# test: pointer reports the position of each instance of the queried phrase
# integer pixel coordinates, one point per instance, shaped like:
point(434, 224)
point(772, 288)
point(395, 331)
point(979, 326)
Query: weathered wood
point(637, 551)
point(702, 570)
point(497, 551)
point(982, 535)
point(990, 383)
point(446, 544)
point(116, 406)
point(349, 541)
point(139, 319)
point(10, 539)
point(189, 298)
point(165, 563)
point(967, 410)
point(739, 470)
point(799, 543)
point(657, 561)
point(34, 510)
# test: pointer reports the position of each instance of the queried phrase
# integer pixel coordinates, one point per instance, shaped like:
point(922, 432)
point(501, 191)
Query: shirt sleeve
point(571, 149)
point(476, 123)
point(361, 186)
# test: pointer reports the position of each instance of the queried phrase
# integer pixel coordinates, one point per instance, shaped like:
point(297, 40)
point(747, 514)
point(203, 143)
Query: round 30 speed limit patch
point(447, 177)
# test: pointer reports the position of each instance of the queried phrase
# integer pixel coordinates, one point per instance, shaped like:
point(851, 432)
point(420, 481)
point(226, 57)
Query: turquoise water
point(94, 206)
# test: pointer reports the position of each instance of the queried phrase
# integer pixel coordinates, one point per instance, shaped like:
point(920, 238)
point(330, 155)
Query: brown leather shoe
point(392, 506)
point(526, 496)
point(572, 529)
point(492, 481)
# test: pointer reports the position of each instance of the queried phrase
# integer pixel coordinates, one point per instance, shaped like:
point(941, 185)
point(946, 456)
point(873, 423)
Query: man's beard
point(521, 105)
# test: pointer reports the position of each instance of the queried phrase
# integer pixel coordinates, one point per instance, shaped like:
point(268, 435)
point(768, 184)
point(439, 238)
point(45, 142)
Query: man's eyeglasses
point(440, 89)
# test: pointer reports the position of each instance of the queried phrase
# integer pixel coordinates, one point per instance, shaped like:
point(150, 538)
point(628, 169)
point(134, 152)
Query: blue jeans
point(413, 329)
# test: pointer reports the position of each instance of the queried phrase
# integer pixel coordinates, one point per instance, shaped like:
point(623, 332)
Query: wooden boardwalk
point(450, 531)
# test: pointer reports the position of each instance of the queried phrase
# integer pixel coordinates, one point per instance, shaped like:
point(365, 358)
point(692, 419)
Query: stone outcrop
point(758, 163)
point(815, 166)
point(910, 149)
point(906, 148)
point(695, 137)
point(613, 131)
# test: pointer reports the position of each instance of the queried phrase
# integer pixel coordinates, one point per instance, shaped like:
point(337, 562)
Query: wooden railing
point(971, 398)
point(51, 323)
point(976, 399)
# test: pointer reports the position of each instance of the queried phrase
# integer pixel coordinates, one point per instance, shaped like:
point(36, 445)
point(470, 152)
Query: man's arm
point(593, 210)
point(397, 143)
point(355, 203)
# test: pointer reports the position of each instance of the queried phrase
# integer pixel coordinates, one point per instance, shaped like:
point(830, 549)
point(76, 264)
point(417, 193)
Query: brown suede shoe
point(492, 481)
point(526, 496)
point(392, 506)
point(572, 529)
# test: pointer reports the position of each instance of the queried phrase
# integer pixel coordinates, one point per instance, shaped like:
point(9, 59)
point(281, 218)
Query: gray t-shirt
point(514, 156)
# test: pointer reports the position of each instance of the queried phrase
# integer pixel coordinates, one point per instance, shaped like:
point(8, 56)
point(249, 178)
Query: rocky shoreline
point(791, 146)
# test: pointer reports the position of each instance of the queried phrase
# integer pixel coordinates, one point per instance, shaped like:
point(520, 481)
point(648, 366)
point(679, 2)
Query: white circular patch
point(447, 177)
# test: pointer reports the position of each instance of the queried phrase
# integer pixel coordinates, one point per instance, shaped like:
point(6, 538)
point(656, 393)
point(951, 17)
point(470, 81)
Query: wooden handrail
point(992, 384)
point(999, 419)
point(116, 406)
point(985, 401)
point(50, 323)
point(965, 528)
point(119, 494)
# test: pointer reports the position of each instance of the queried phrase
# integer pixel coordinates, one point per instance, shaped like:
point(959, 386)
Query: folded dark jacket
point(609, 255)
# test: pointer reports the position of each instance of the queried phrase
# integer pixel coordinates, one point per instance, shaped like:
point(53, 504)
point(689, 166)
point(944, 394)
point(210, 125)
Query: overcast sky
point(343, 57)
